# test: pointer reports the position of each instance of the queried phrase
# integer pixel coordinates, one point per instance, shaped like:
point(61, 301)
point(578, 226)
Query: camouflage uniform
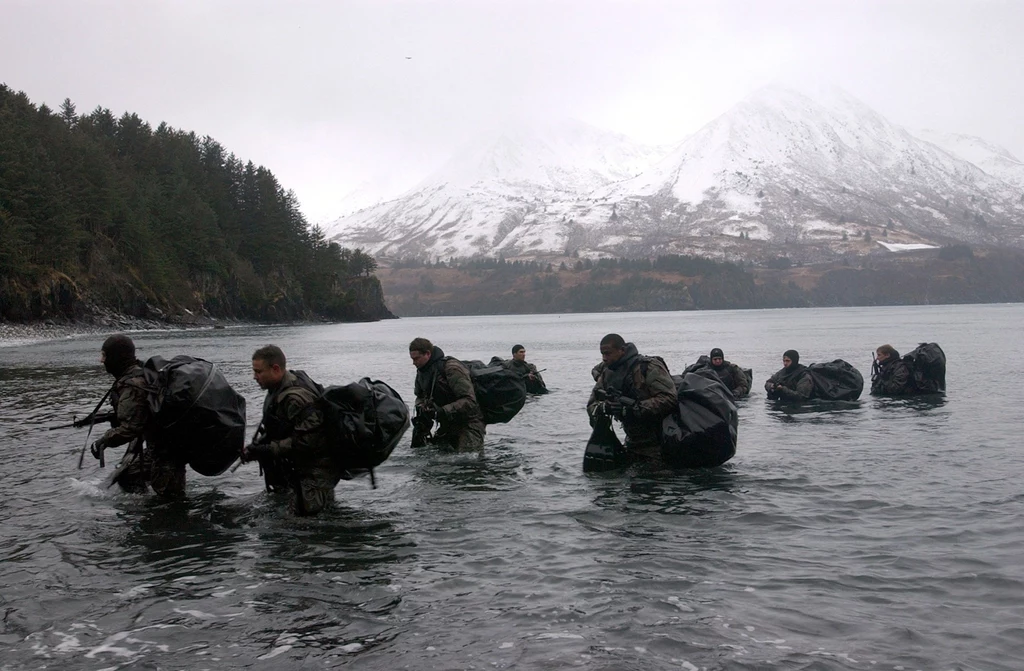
point(733, 377)
point(534, 386)
point(146, 461)
point(791, 384)
point(300, 461)
point(445, 383)
point(893, 379)
point(647, 381)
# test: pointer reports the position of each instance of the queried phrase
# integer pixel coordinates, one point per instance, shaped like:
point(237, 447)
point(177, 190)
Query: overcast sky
point(329, 93)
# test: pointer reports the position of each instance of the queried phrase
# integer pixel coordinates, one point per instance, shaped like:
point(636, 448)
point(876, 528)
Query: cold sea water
point(879, 534)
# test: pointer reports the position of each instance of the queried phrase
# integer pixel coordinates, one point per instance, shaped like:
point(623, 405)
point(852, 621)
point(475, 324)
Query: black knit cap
point(516, 348)
point(119, 353)
point(792, 354)
point(717, 352)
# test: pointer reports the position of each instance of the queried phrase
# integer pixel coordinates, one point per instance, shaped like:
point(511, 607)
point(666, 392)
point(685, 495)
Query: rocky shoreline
point(103, 324)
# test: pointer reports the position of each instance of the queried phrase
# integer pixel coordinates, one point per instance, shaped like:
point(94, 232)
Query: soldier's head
point(419, 351)
point(717, 357)
point(268, 366)
point(612, 348)
point(886, 352)
point(790, 357)
point(518, 352)
point(117, 354)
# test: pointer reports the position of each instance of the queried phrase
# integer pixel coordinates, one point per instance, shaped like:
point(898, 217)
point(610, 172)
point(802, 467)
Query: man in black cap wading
point(793, 382)
point(731, 375)
point(146, 461)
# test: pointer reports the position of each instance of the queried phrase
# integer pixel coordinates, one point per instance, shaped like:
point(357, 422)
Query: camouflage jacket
point(733, 377)
point(893, 379)
point(292, 421)
point(129, 399)
point(791, 384)
point(536, 385)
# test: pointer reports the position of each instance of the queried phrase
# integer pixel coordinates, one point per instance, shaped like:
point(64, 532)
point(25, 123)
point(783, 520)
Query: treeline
point(104, 209)
point(951, 275)
point(674, 263)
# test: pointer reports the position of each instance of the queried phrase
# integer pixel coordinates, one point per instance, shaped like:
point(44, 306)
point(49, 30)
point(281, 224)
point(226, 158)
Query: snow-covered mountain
point(495, 184)
point(781, 167)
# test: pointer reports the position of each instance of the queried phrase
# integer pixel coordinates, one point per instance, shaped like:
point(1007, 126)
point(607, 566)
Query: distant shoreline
point(14, 334)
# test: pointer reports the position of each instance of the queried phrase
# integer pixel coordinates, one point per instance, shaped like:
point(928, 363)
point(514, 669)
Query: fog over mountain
point(782, 167)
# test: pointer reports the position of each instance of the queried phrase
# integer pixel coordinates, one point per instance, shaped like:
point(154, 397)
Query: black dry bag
point(702, 431)
point(928, 364)
point(365, 420)
point(604, 449)
point(836, 381)
point(196, 412)
point(500, 392)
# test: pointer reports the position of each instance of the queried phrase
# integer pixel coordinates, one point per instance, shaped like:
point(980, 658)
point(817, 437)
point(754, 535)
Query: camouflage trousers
point(151, 467)
point(310, 492)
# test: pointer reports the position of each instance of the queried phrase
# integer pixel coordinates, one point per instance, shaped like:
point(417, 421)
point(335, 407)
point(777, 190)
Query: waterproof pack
point(195, 412)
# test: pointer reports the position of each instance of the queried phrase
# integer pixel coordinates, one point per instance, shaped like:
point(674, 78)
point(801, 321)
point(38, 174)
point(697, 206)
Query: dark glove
point(256, 452)
point(613, 409)
point(630, 409)
point(97, 448)
point(427, 412)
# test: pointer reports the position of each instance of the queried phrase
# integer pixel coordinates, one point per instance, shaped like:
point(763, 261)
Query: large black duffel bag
point(365, 421)
point(500, 392)
point(703, 430)
point(195, 412)
point(927, 363)
point(836, 381)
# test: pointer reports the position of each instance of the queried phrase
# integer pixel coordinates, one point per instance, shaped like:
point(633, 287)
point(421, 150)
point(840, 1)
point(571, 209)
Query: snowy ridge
point(994, 160)
point(781, 166)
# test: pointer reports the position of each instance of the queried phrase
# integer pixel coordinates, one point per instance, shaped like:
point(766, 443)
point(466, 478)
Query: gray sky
point(329, 94)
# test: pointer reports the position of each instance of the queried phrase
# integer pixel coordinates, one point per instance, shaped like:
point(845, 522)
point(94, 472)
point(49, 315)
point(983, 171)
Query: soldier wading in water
point(292, 445)
point(635, 389)
point(444, 392)
point(147, 462)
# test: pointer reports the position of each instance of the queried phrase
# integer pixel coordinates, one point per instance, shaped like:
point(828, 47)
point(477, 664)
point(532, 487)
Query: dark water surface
point(876, 535)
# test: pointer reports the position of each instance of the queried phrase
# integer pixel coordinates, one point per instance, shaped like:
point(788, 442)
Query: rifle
point(259, 436)
point(876, 370)
point(611, 401)
point(93, 418)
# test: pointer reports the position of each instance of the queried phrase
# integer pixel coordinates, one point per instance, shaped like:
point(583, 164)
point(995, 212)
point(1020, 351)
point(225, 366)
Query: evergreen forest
point(106, 212)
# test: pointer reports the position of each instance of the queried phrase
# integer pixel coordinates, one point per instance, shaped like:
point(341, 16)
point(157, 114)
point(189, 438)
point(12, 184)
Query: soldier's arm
point(132, 415)
point(804, 388)
point(664, 397)
point(802, 392)
point(742, 383)
point(465, 397)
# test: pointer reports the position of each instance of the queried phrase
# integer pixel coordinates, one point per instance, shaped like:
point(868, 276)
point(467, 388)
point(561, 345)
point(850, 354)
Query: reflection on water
point(835, 530)
point(922, 403)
